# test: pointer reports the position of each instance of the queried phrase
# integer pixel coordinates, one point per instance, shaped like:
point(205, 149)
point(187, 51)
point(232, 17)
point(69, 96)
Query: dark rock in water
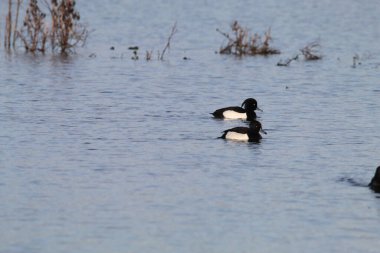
point(375, 182)
point(112, 48)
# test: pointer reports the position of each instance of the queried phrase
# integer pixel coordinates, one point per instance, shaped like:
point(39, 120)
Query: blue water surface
point(107, 154)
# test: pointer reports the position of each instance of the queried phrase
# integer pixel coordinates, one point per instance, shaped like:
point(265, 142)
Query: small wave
point(352, 182)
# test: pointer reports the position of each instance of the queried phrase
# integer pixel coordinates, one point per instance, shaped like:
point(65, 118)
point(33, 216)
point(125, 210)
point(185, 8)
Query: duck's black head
point(375, 182)
point(250, 104)
point(256, 127)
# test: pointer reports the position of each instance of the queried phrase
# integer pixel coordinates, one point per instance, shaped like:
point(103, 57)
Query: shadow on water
point(252, 145)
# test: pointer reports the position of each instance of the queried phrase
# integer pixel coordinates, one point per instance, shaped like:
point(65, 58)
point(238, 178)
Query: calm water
point(106, 154)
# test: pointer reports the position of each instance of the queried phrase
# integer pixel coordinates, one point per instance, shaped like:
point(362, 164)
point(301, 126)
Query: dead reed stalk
point(8, 26)
point(16, 23)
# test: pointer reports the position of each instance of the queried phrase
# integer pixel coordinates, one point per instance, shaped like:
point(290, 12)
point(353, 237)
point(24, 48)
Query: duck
point(375, 182)
point(250, 134)
point(246, 111)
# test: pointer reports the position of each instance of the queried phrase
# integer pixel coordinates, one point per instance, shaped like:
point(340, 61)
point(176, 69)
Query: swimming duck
point(375, 182)
point(246, 111)
point(251, 133)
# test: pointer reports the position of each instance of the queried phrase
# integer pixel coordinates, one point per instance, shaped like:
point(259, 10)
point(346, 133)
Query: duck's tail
point(223, 136)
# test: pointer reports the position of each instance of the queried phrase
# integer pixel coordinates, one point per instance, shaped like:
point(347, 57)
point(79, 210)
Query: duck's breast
point(231, 135)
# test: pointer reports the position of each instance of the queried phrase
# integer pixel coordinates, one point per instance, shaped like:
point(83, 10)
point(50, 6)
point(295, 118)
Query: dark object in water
point(112, 48)
point(246, 111)
point(133, 48)
point(250, 134)
point(375, 182)
point(287, 62)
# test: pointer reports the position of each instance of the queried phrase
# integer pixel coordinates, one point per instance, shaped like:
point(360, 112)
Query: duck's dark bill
point(262, 130)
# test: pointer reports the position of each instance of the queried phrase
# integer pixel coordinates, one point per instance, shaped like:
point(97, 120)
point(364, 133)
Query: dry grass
point(241, 43)
point(311, 51)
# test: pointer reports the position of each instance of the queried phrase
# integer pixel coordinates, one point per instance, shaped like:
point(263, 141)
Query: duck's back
point(232, 112)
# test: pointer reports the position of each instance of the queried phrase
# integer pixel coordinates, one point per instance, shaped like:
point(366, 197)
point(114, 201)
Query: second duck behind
point(245, 112)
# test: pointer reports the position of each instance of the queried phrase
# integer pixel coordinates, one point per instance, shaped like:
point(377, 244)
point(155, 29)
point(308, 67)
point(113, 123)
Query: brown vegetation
point(63, 34)
point(241, 43)
point(66, 33)
point(34, 33)
point(311, 51)
point(8, 26)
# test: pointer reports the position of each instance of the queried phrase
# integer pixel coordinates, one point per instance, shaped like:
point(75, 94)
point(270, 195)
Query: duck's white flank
point(234, 115)
point(237, 136)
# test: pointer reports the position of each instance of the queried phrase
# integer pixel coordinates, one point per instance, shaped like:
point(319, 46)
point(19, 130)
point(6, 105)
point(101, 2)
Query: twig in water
point(287, 62)
point(167, 46)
